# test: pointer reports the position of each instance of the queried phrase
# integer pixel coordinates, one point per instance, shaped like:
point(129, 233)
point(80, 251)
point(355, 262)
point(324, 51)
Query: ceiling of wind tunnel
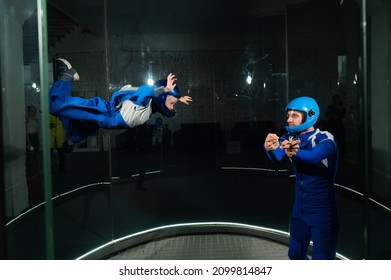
point(150, 17)
point(175, 16)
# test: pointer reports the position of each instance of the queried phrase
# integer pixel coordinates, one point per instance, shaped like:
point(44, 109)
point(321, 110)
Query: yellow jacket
point(57, 133)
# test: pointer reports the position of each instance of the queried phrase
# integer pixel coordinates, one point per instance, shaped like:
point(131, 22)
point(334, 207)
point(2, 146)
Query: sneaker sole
point(75, 76)
point(66, 62)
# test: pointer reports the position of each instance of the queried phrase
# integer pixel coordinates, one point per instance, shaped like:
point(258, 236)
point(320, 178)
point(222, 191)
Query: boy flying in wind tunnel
point(128, 107)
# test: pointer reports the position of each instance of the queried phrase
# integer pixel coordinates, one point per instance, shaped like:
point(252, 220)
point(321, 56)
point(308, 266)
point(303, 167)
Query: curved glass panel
point(206, 162)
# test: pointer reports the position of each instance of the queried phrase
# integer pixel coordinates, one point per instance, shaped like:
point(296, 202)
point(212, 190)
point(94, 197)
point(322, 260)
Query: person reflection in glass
point(336, 114)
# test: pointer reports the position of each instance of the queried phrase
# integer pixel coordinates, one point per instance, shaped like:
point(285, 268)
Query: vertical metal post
point(286, 57)
point(107, 72)
point(366, 128)
point(3, 235)
point(47, 175)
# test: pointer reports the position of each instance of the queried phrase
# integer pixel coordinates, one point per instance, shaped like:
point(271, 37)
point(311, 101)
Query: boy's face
point(294, 118)
point(170, 102)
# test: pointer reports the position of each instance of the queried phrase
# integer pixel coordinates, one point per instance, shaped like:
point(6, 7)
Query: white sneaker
point(65, 71)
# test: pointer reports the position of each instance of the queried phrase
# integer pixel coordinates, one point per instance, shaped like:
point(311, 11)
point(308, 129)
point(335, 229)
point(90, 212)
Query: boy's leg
point(80, 117)
point(62, 104)
point(79, 130)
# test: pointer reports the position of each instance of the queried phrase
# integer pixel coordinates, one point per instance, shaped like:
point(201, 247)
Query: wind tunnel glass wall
point(203, 170)
point(206, 164)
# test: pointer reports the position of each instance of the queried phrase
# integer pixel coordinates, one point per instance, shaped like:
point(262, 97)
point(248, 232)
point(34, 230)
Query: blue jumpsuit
point(315, 209)
point(81, 117)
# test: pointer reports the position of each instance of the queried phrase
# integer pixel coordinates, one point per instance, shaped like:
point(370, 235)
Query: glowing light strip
point(53, 198)
point(292, 175)
point(158, 171)
point(253, 168)
point(149, 172)
point(138, 174)
point(361, 194)
point(381, 205)
point(381, 173)
point(349, 189)
point(236, 225)
point(182, 225)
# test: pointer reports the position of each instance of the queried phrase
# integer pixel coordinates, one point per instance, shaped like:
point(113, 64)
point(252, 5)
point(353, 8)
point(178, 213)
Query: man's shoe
point(65, 71)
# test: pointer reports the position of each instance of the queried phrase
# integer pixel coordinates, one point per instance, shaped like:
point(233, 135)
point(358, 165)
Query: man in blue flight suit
point(128, 107)
point(314, 156)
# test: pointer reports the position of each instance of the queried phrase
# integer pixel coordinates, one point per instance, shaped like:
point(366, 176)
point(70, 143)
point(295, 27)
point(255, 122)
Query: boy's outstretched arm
point(170, 83)
point(186, 99)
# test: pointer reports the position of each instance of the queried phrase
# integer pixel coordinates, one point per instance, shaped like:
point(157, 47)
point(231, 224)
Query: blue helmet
point(309, 107)
point(161, 98)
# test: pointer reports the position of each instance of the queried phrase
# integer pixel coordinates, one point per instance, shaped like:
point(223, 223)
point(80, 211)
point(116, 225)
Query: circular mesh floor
point(206, 247)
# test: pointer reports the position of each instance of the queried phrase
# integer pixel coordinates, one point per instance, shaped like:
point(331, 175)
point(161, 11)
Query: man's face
point(294, 118)
point(170, 102)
